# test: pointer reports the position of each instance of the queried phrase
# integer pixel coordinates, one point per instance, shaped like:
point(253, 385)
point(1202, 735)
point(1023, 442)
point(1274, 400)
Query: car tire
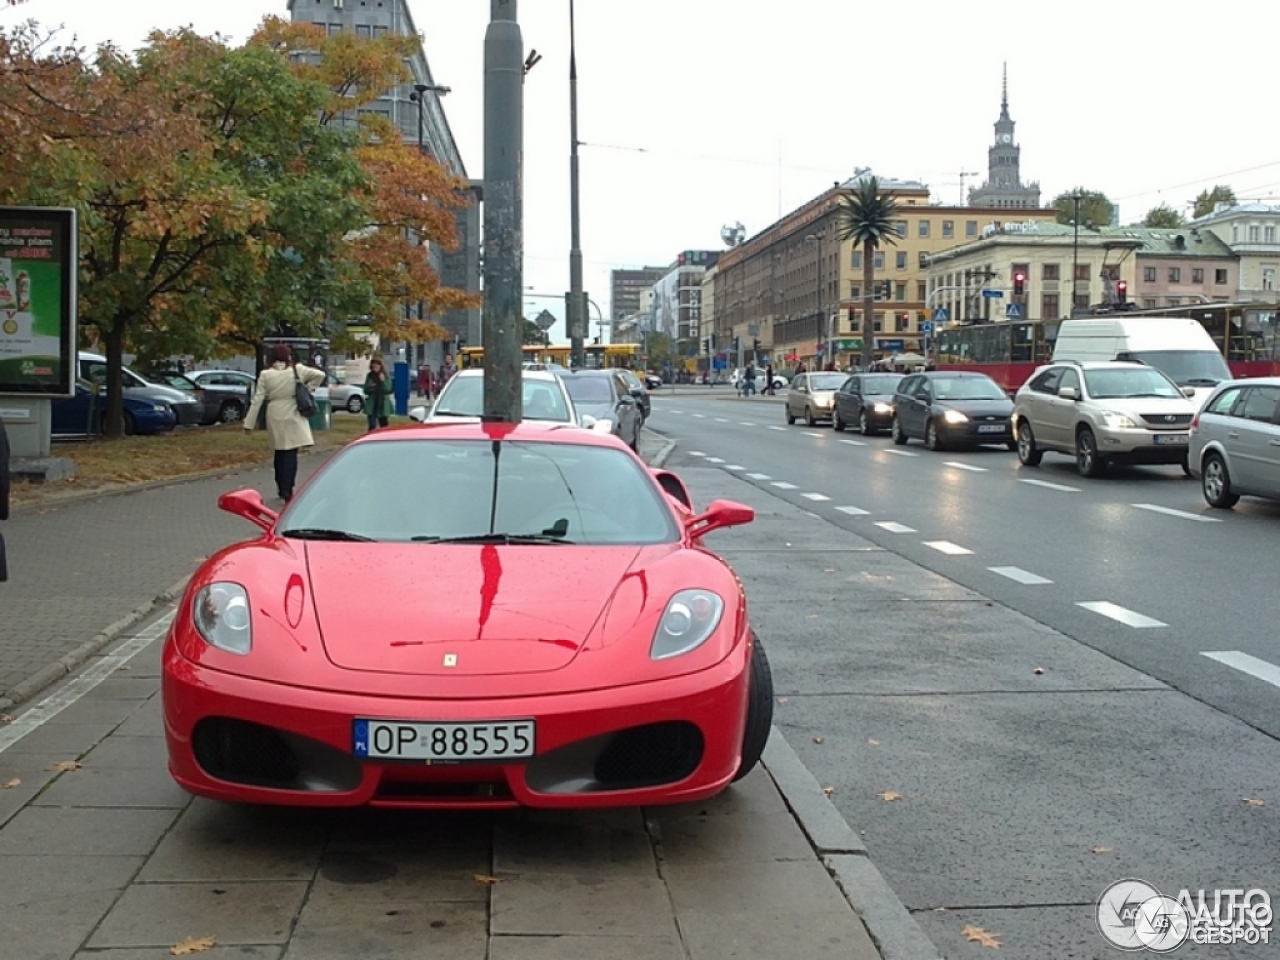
point(837, 424)
point(1215, 483)
point(1186, 467)
point(759, 710)
point(809, 421)
point(355, 404)
point(932, 441)
point(899, 437)
point(790, 418)
point(232, 411)
point(864, 425)
point(130, 425)
point(1089, 462)
point(1028, 453)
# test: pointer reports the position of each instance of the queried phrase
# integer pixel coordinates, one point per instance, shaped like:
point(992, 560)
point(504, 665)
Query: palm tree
point(867, 218)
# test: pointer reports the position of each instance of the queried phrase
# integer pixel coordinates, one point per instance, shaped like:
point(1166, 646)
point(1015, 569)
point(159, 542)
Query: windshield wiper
point(503, 538)
point(319, 533)
point(452, 413)
point(1201, 382)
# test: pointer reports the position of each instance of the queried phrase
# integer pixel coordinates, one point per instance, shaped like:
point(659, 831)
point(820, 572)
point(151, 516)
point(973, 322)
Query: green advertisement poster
point(38, 266)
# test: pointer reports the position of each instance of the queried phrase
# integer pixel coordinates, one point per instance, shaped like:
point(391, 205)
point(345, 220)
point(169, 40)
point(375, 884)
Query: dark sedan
point(952, 408)
point(866, 401)
point(83, 414)
point(605, 395)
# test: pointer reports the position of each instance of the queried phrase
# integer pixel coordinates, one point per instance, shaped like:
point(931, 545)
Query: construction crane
point(964, 175)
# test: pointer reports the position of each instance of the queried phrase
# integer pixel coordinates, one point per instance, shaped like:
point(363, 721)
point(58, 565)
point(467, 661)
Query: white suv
point(1102, 412)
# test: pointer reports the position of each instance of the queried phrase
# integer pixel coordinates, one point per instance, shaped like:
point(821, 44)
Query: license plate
point(444, 742)
point(992, 428)
point(1173, 438)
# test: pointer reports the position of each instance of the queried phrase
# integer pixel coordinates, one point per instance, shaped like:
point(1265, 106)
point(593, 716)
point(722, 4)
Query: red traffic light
point(1019, 283)
point(1122, 291)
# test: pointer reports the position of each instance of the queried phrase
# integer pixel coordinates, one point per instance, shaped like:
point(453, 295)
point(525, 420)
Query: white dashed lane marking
point(782, 485)
point(891, 526)
point(1250, 665)
point(721, 420)
point(696, 453)
point(815, 496)
point(1020, 575)
point(715, 460)
point(700, 416)
point(854, 511)
point(759, 476)
point(745, 423)
point(775, 427)
point(964, 466)
point(733, 466)
point(902, 453)
point(1120, 614)
point(947, 547)
point(853, 443)
point(1049, 486)
point(1170, 512)
point(818, 436)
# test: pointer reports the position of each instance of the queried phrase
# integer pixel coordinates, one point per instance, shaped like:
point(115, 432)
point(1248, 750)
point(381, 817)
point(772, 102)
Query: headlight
point(221, 614)
point(1118, 421)
point(162, 407)
point(882, 408)
point(955, 416)
point(690, 618)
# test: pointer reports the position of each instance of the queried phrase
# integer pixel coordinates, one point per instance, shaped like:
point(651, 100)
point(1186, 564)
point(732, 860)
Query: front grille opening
point(244, 752)
point(649, 756)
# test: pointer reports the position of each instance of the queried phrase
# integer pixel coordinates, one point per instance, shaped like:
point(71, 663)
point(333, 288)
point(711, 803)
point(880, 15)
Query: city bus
point(597, 355)
point(1248, 335)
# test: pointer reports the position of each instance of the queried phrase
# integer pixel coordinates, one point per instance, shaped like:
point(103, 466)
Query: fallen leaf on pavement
point(127, 666)
point(1100, 850)
point(63, 766)
point(828, 791)
point(1254, 803)
point(978, 935)
point(192, 945)
point(817, 740)
point(10, 784)
point(782, 699)
point(874, 743)
point(889, 796)
point(1038, 671)
point(5, 718)
point(486, 879)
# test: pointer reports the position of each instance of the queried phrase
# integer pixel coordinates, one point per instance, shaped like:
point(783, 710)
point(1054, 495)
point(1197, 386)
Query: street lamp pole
point(1075, 253)
point(574, 308)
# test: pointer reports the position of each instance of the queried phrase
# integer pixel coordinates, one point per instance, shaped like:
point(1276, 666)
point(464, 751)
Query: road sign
point(1013, 311)
point(926, 327)
point(992, 294)
point(545, 320)
point(941, 315)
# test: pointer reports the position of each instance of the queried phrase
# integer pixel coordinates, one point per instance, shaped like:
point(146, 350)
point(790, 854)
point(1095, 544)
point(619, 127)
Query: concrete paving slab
point(387, 874)
point(85, 832)
point(407, 930)
point(111, 787)
point(585, 948)
point(410, 829)
point(753, 795)
point(160, 914)
point(802, 886)
point(53, 930)
point(741, 841)
point(128, 753)
point(536, 845)
point(556, 904)
point(123, 686)
point(61, 741)
point(53, 879)
point(242, 952)
point(768, 935)
point(113, 712)
point(146, 721)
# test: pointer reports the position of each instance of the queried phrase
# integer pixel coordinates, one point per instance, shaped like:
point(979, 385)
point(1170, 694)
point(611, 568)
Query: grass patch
point(110, 464)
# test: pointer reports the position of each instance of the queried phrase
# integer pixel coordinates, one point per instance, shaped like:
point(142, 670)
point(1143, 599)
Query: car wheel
point(1088, 462)
point(130, 425)
point(231, 412)
point(355, 404)
point(808, 417)
point(759, 710)
point(899, 437)
point(1028, 452)
point(836, 423)
point(931, 439)
point(1215, 482)
point(864, 425)
point(790, 418)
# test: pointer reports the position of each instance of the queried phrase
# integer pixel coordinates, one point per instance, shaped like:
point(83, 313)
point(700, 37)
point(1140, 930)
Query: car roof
point(544, 375)
point(1102, 364)
point(530, 431)
point(590, 373)
point(948, 374)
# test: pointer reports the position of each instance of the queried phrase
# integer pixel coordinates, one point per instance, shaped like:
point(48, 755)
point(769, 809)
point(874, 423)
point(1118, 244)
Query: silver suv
point(1102, 412)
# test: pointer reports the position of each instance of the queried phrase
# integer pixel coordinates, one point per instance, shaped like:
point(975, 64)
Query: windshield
point(827, 381)
point(967, 388)
point(1129, 382)
point(464, 397)
point(882, 384)
point(1188, 368)
point(589, 390)
point(431, 490)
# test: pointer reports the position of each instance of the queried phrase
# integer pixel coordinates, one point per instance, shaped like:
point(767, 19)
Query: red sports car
point(470, 616)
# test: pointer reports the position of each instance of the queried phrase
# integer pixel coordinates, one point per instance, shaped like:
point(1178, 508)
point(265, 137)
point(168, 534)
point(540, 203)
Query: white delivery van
point(1178, 346)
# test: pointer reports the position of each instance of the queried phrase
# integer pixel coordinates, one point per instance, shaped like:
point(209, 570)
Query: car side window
point(908, 386)
point(849, 386)
point(801, 383)
point(1224, 401)
point(1047, 382)
point(1260, 404)
point(1069, 378)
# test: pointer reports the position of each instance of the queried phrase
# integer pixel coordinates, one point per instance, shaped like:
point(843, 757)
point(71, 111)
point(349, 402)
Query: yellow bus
point(598, 355)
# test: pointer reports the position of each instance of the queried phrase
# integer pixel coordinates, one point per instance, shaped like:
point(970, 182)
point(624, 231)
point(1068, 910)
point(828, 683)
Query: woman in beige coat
point(287, 429)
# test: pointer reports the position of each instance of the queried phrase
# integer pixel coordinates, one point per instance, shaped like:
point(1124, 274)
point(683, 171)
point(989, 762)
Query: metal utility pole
point(503, 212)
point(575, 307)
point(1075, 255)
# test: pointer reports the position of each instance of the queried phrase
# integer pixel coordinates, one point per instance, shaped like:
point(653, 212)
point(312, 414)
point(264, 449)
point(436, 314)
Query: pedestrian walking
point(287, 429)
point(424, 378)
point(447, 370)
point(377, 395)
point(749, 381)
point(4, 496)
point(768, 379)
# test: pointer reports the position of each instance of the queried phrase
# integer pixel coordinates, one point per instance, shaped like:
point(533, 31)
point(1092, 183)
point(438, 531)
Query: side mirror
point(1189, 392)
point(248, 504)
point(638, 392)
point(627, 401)
point(720, 513)
point(418, 414)
point(1068, 393)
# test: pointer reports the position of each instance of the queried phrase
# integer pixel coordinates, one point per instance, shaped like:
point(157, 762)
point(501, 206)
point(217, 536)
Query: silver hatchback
point(1235, 442)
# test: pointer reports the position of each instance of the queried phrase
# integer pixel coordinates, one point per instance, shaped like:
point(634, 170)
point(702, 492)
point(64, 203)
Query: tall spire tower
point(1004, 187)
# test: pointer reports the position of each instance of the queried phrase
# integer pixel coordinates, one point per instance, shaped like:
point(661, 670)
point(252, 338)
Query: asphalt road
point(906, 668)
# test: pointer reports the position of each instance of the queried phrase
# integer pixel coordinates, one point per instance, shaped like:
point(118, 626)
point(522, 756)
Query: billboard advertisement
point(38, 268)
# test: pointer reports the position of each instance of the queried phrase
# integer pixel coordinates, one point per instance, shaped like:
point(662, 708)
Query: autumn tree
point(1163, 216)
point(1207, 200)
point(1095, 209)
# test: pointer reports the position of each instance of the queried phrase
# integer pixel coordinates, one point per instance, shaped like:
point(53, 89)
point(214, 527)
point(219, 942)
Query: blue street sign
point(1013, 311)
point(941, 315)
point(993, 294)
point(926, 327)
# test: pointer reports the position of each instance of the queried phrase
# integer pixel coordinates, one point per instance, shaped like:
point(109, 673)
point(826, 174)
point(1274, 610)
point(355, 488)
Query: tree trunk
point(113, 422)
point(868, 304)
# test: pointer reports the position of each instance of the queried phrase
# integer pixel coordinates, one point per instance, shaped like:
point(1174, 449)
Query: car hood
point(154, 391)
point(1146, 406)
point(601, 411)
point(996, 407)
point(494, 609)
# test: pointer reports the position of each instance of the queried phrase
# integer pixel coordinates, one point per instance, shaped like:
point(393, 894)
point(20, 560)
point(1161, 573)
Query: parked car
point(1102, 412)
point(652, 381)
point(638, 390)
point(543, 397)
point(813, 396)
point(580, 645)
point(866, 400)
point(344, 396)
point(188, 409)
point(219, 404)
point(605, 395)
point(82, 415)
point(951, 408)
point(1235, 442)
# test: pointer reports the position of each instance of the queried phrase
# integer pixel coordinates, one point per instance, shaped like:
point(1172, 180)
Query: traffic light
point(1019, 283)
point(755, 346)
point(1122, 291)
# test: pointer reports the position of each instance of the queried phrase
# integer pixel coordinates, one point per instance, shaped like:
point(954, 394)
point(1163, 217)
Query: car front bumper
point(971, 431)
point(1143, 446)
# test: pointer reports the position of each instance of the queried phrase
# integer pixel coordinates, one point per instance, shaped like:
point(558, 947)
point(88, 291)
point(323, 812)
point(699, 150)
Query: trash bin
point(322, 419)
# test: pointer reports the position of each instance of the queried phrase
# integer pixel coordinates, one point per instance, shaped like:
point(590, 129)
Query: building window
point(922, 292)
point(902, 323)
point(855, 291)
point(1082, 271)
point(924, 229)
point(1268, 278)
point(1220, 276)
point(1148, 274)
point(856, 262)
point(1235, 234)
point(1175, 274)
point(879, 261)
point(1253, 234)
point(1049, 271)
point(1197, 275)
point(900, 260)
point(1173, 301)
point(335, 29)
point(1149, 303)
point(971, 228)
point(379, 32)
point(1048, 306)
point(1269, 234)
point(900, 292)
point(902, 227)
point(948, 229)
point(879, 323)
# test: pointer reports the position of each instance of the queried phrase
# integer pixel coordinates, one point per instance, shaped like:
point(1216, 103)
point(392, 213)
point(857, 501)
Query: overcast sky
point(698, 113)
